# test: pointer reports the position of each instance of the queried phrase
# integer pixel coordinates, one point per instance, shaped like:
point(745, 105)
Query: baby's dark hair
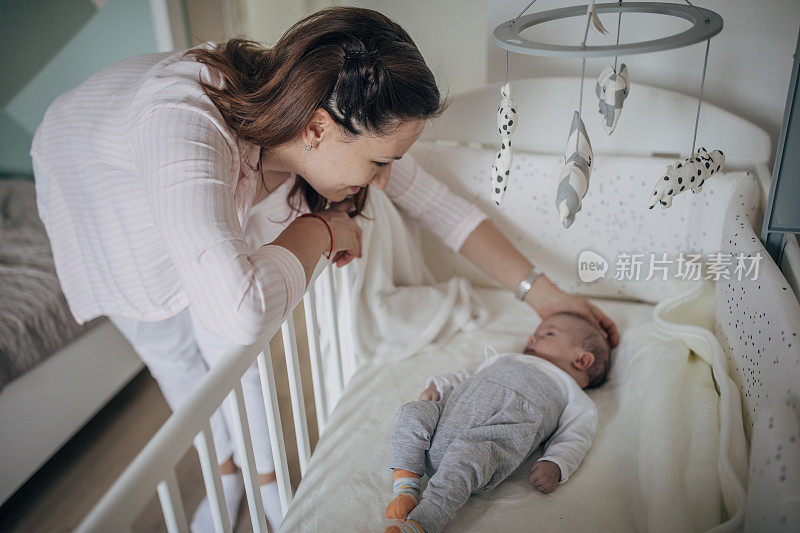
point(601, 349)
point(596, 343)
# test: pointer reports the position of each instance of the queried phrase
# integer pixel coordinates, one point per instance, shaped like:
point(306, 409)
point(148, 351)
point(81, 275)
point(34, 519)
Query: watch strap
point(525, 285)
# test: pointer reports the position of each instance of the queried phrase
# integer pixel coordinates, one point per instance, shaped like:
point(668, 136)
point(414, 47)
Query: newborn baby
point(469, 431)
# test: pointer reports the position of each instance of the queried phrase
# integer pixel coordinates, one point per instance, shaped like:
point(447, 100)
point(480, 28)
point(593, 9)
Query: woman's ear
point(584, 360)
point(319, 125)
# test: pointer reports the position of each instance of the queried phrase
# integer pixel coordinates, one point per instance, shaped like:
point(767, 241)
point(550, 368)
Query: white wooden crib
point(756, 327)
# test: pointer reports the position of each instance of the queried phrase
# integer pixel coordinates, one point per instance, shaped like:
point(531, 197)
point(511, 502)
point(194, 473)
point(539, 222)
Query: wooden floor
point(68, 486)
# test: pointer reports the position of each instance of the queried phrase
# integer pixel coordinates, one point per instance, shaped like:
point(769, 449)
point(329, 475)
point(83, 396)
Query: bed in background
point(54, 373)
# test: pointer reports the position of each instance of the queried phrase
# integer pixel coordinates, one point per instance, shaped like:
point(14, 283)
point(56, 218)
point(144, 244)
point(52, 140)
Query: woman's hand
point(346, 233)
point(493, 253)
point(547, 299)
point(430, 394)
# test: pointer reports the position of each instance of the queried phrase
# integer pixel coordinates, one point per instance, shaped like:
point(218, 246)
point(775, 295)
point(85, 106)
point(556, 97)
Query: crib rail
point(154, 469)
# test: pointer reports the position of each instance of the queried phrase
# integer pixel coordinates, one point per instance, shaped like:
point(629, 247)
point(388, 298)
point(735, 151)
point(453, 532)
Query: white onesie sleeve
point(572, 439)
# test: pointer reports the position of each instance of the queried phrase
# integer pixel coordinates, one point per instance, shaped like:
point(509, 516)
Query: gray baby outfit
point(475, 435)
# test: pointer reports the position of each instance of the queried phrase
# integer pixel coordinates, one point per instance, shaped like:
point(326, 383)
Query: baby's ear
point(584, 360)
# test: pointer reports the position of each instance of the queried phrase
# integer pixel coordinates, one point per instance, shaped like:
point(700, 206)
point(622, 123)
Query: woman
point(146, 173)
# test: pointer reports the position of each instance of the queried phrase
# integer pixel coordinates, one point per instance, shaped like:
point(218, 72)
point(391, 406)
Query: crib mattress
point(651, 467)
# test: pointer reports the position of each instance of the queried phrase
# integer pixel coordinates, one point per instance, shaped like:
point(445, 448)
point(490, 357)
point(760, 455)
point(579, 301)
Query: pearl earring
point(308, 148)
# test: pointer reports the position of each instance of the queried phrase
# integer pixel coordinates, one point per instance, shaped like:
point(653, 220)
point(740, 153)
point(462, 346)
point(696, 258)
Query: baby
point(469, 431)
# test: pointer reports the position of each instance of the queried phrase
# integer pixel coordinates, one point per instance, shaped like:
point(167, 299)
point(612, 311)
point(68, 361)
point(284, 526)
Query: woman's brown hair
point(357, 64)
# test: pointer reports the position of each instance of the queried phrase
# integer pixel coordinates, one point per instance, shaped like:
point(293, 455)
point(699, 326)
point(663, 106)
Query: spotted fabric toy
point(506, 124)
point(690, 173)
point(612, 88)
point(573, 181)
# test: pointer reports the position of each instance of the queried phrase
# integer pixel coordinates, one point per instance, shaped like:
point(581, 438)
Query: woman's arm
point(464, 228)
point(189, 176)
point(492, 252)
point(307, 238)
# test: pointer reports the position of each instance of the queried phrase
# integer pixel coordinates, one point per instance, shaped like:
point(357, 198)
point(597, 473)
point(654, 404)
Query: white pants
point(179, 351)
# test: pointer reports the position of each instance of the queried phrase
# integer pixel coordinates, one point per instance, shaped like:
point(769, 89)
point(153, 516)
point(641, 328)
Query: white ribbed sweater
point(144, 191)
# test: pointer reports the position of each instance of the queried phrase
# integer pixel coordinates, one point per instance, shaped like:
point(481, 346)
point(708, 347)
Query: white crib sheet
point(653, 465)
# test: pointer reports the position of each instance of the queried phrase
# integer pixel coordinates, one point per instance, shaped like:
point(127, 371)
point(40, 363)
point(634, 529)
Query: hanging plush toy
point(690, 173)
point(574, 178)
point(612, 88)
point(573, 182)
point(506, 124)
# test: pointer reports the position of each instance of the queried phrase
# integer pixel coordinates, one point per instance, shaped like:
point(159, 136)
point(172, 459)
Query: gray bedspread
point(35, 320)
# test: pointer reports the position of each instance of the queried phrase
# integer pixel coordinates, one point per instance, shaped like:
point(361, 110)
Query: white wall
point(450, 34)
point(455, 53)
point(750, 61)
point(267, 20)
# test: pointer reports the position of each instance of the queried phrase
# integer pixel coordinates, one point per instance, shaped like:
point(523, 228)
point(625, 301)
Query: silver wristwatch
point(526, 284)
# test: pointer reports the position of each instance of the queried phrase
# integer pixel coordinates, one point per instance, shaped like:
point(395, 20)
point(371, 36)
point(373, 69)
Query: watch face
point(524, 287)
point(526, 284)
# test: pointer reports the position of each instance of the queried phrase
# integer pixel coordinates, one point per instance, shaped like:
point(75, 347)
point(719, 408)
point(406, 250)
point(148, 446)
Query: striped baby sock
point(406, 526)
point(406, 489)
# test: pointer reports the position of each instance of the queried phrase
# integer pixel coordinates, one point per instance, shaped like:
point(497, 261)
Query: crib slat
point(327, 279)
point(243, 438)
point(296, 392)
point(347, 304)
point(267, 375)
point(208, 461)
point(171, 504)
point(312, 332)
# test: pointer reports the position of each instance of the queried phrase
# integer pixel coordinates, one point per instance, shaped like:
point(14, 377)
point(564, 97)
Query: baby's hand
point(544, 476)
point(430, 393)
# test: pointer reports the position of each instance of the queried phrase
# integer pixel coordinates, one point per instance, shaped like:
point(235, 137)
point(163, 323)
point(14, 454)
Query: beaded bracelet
point(330, 232)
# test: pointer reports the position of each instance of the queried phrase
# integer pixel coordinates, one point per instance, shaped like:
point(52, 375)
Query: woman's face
point(338, 166)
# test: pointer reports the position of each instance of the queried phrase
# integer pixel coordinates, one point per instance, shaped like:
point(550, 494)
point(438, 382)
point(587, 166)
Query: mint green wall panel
point(15, 143)
point(121, 29)
point(48, 48)
point(31, 32)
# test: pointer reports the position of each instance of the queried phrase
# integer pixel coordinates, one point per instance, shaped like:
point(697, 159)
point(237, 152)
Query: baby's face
point(556, 339)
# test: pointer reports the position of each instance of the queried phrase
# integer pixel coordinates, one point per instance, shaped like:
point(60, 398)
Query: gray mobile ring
point(705, 24)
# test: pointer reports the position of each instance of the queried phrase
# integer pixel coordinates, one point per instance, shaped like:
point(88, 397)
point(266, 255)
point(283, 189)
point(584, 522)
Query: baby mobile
point(612, 88)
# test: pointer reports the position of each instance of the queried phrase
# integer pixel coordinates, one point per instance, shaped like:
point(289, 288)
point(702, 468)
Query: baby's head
point(574, 345)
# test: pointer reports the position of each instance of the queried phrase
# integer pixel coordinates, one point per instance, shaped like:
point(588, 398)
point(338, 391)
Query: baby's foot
point(406, 488)
point(400, 506)
point(407, 526)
